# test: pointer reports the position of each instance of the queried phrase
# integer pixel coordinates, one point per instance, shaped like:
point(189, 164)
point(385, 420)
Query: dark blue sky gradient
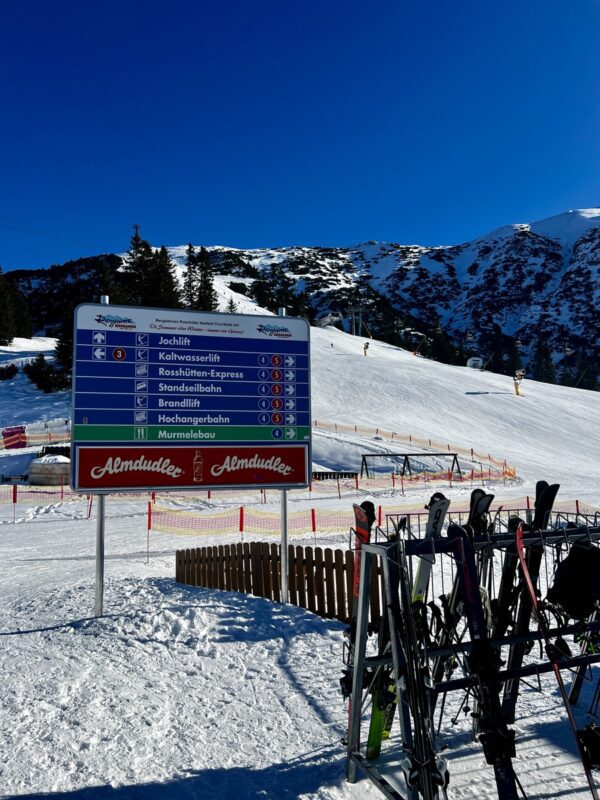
point(271, 123)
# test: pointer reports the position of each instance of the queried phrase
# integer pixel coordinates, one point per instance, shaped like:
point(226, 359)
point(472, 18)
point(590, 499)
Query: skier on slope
point(365, 347)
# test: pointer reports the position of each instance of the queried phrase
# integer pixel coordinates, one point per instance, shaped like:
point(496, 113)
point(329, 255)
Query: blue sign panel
point(156, 379)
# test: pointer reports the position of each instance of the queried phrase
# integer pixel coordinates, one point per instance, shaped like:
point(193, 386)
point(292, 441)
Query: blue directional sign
point(223, 398)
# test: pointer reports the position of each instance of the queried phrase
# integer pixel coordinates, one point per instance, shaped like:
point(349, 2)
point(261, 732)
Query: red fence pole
point(148, 531)
point(313, 519)
point(241, 519)
point(379, 516)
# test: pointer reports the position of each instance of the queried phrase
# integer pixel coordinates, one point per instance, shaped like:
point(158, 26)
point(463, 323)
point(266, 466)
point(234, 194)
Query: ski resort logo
point(114, 321)
point(118, 466)
point(278, 331)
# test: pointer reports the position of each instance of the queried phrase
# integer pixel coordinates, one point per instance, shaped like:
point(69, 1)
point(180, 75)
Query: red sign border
point(121, 451)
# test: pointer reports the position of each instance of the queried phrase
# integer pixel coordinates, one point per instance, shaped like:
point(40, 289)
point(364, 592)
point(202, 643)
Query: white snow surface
point(178, 692)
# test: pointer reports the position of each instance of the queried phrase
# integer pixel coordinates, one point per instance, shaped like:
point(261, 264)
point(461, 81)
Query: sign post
point(283, 548)
point(100, 534)
point(168, 399)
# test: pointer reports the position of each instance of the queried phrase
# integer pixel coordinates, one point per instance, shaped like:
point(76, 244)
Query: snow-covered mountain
point(530, 282)
point(526, 278)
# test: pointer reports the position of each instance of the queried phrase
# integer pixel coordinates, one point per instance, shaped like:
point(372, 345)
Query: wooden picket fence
point(320, 579)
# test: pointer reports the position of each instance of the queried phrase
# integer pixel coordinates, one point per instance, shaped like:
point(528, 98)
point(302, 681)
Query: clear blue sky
point(255, 123)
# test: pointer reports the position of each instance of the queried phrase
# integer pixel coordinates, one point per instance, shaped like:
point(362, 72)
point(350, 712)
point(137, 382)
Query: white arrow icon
point(290, 404)
point(290, 433)
point(290, 375)
point(290, 390)
point(290, 361)
point(99, 337)
point(290, 419)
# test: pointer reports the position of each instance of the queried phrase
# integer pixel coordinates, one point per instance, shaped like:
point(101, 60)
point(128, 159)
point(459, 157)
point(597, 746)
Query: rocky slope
point(525, 283)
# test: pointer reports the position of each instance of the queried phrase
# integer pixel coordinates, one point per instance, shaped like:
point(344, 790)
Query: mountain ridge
point(506, 295)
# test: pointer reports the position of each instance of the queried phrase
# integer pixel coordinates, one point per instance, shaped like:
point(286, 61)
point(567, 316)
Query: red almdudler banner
point(147, 467)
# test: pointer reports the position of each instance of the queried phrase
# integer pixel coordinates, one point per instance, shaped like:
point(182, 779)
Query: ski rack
point(411, 726)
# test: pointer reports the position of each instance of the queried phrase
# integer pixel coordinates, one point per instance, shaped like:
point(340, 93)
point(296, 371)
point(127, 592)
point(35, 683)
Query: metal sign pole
point(284, 531)
point(100, 525)
point(100, 555)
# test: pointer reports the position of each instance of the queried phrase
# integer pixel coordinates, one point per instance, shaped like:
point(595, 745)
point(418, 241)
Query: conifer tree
point(231, 306)
point(162, 290)
point(440, 347)
point(514, 362)
point(261, 291)
point(190, 277)
point(206, 297)
point(149, 276)
point(542, 364)
point(7, 315)
point(137, 268)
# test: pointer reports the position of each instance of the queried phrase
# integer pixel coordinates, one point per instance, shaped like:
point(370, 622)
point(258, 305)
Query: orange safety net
point(268, 523)
point(432, 444)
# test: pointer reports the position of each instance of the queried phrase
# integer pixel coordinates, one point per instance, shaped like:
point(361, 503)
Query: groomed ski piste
point(179, 692)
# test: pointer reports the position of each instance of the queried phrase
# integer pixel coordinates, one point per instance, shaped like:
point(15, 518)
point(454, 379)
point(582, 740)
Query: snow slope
point(189, 693)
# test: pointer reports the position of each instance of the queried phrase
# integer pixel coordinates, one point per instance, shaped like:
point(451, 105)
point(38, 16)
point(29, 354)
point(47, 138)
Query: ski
point(438, 508)
point(448, 619)
point(383, 687)
point(383, 692)
point(544, 501)
point(364, 518)
point(553, 654)
point(503, 608)
point(478, 526)
point(589, 644)
point(423, 769)
point(483, 664)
